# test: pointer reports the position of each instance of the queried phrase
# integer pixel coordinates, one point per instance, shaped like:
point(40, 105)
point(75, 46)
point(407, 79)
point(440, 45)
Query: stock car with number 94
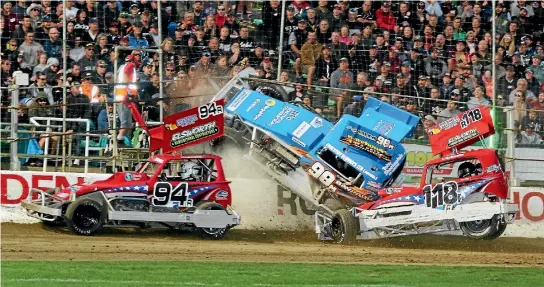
point(186, 192)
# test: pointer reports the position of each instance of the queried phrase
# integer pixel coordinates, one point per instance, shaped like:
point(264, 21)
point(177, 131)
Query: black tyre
point(211, 233)
point(85, 216)
point(344, 227)
point(274, 91)
point(483, 229)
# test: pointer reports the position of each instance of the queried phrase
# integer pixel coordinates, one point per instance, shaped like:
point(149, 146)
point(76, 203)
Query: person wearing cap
point(337, 20)
point(534, 119)
point(297, 38)
point(355, 107)
point(537, 68)
point(507, 83)
point(385, 19)
point(435, 67)
point(88, 89)
point(125, 27)
point(529, 136)
point(88, 62)
point(90, 36)
point(135, 38)
point(99, 76)
point(501, 19)
point(342, 78)
point(532, 83)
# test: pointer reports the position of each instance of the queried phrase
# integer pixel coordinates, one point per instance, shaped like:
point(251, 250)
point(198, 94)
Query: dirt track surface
point(37, 242)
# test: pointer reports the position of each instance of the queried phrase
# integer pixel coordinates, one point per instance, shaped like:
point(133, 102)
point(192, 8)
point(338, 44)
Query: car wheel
point(85, 216)
point(483, 229)
point(211, 233)
point(344, 227)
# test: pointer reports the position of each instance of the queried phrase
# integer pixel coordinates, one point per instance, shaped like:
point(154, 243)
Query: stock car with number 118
point(186, 192)
point(475, 202)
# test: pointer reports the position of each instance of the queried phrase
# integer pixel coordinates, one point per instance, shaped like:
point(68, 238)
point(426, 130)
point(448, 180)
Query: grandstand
point(432, 58)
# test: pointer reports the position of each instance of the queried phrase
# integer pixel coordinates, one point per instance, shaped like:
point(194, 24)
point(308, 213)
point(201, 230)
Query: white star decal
point(417, 197)
point(136, 188)
point(406, 198)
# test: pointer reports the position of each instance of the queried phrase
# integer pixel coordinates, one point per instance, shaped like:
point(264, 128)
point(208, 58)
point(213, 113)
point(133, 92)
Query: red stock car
point(175, 191)
point(476, 202)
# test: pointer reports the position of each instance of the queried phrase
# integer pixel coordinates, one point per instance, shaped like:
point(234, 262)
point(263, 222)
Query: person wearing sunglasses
point(40, 88)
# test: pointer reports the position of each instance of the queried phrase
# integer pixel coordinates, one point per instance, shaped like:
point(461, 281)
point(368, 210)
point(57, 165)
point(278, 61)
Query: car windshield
point(149, 168)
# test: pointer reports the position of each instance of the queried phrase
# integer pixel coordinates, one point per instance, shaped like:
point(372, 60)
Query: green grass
point(176, 273)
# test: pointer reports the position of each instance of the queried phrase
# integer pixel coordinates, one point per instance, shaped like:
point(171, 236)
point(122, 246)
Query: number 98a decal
point(442, 194)
point(319, 172)
point(167, 196)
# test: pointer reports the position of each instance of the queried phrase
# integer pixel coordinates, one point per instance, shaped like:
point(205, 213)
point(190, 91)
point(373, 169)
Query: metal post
point(14, 159)
point(64, 68)
point(87, 130)
point(114, 134)
point(280, 59)
point(511, 150)
point(494, 140)
point(46, 148)
point(161, 84)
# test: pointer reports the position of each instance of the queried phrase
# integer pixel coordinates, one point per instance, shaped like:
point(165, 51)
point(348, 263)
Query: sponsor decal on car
point(267, 105)
point(239, 100)
point(448, 124)
point(393, 190)
point(301, 129)
point(128, 177)
point(222, 195)
point(366, 146)
point(281, 116)
point(299, 142)
point(186, 121)
point(470, 134)
point(391, 166)
point(194, 134)
point(384, 127)
point(494, 168)
point(350, 190)
point(255, 102)
point(373, 184)
point(317, 122)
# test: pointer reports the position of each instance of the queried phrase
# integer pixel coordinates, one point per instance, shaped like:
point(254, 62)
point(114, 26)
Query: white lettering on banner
point(15, 186)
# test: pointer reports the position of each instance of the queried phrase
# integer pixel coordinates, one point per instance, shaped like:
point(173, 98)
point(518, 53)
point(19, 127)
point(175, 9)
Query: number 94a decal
point(166, 195)
point(442, 194)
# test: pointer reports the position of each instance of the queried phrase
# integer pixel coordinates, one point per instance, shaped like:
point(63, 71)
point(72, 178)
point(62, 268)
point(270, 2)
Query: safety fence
point(40, 139)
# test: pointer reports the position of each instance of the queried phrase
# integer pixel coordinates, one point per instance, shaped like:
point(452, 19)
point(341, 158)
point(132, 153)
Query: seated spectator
point(535, 120)
point(520, 107)
point(529, 136)
point(342, 78)
point(522, 86)
point(450, 111)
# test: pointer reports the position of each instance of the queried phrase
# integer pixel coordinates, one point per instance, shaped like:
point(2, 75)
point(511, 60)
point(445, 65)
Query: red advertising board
point(461, 131)
point(189, 127)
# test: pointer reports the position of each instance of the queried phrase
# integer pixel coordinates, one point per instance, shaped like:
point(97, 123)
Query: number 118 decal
point(442, 194)
point(166, 195)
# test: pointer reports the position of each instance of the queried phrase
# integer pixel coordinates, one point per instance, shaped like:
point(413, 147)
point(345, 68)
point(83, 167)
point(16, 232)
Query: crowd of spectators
point(432, 58)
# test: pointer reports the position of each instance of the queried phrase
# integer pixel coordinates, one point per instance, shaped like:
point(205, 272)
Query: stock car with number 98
point(185, 192)
point(355, 166)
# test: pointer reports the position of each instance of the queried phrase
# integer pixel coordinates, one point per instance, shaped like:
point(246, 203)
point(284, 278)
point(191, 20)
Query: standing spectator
point(30, 50)
point(247, 44)
point(342, 78)
point(135, 38)
point(127, 75)
point(310, 53)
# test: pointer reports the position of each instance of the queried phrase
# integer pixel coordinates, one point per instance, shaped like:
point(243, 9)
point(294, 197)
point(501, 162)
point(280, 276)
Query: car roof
point(168, 157)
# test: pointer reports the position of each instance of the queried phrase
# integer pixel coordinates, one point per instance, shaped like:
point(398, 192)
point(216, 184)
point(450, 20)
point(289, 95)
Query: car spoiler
point(461, 131)
point(185, 128)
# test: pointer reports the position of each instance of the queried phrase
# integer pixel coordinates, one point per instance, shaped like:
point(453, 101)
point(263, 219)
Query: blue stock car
point(353, 158)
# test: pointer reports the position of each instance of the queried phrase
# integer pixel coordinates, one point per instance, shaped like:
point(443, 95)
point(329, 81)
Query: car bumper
point(46, 207)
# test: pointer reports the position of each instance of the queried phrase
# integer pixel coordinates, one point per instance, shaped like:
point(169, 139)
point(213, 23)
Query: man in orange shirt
point(127, 78)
